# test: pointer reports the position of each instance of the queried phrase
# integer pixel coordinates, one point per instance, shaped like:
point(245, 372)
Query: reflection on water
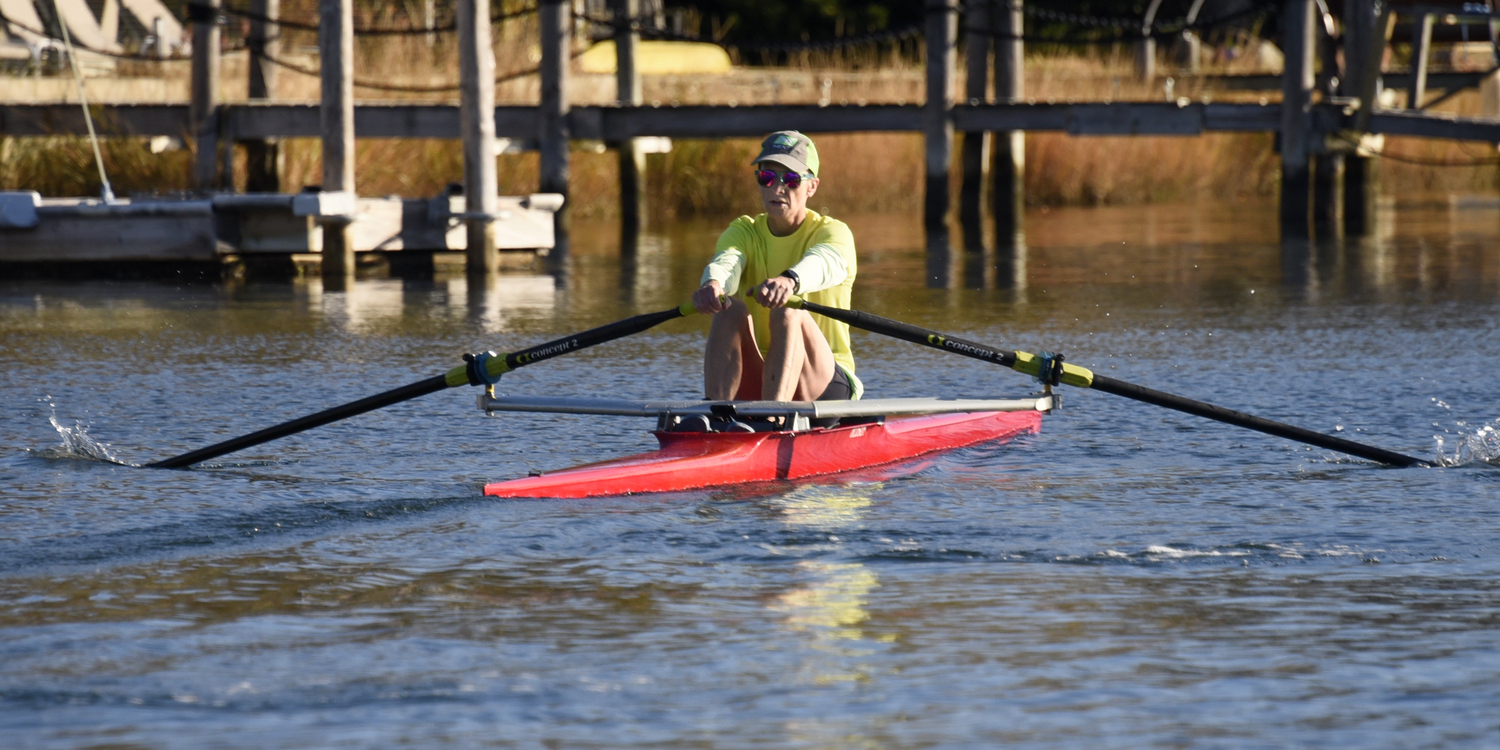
point(828, 605)
point(370, 305)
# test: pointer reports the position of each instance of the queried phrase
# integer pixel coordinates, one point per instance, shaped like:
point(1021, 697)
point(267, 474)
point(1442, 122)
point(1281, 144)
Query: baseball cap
point(790, 149)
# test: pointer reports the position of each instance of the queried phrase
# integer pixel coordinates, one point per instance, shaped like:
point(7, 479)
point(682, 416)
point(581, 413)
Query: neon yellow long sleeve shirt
point(820, 252)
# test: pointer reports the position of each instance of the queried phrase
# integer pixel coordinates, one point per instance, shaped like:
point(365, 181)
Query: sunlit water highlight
point(1129, 577)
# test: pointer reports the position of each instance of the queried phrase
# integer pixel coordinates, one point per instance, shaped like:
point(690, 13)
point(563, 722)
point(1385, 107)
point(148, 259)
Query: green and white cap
point(790, 149)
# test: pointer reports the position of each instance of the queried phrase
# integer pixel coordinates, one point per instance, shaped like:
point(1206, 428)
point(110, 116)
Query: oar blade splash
point(1068, 374)
point(479, 370)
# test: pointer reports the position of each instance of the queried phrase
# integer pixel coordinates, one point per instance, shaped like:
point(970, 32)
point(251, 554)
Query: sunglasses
point(767, 178)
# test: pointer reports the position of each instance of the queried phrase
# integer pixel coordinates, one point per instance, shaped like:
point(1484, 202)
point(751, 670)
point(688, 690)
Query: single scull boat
point(869, 433)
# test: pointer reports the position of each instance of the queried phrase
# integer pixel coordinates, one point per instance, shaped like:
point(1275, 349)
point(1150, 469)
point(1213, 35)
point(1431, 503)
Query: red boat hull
point(694, 460)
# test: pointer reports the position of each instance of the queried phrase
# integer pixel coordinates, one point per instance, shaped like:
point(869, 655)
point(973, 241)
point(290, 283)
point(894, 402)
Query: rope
point(445, 88)
point(367, 31)
point(639, 26)
point(1131, 30)
point(1164, 28)
point(107, 192)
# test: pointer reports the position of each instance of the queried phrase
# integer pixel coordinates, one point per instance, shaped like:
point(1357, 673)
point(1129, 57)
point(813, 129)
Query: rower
point(764, 350)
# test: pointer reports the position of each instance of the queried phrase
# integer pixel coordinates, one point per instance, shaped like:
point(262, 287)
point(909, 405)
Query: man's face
point(781, 202)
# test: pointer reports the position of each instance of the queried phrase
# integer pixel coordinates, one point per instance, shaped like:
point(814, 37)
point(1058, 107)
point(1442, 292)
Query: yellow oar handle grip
point(1030, 364)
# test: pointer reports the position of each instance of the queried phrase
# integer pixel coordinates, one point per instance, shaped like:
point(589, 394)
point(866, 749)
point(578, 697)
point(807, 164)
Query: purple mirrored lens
point(767, 178)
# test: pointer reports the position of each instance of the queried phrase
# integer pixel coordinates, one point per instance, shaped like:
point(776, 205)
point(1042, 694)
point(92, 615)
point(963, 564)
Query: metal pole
point(476, 62)
point(553, 132)
point(336, 50)
point(1421, 41)
point(205, 92)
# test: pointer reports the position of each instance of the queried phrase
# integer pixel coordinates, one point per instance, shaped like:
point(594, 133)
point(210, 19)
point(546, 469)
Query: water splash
point(1468, 449)
point(76, 442)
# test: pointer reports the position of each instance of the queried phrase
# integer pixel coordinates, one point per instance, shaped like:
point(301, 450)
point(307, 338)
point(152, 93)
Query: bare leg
point(723, 358)
point(800, 363)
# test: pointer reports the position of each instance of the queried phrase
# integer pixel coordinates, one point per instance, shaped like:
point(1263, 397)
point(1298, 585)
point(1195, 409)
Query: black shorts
point(839, 388)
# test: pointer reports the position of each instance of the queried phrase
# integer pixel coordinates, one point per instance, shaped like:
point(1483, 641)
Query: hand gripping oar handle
point(494, 367)
point(1074, 375)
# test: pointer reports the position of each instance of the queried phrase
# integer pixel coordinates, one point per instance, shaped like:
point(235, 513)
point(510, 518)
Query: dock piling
point(554, 133)
point(976, 146)
point(1365, 35)
point(1299, 37)
point(1008, 192)
point(942, 56)
point(336, 50)
point(476, 62)
point(204, 109)
point(263, 155)
point(629, 94)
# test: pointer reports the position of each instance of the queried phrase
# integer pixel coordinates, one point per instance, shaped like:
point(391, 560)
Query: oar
point(483, 368)
point(1060, 372)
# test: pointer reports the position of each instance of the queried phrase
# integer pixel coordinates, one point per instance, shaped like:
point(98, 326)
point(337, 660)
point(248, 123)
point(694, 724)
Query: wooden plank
point(109, 119)
point(1244, 118)
point(121, 232)
point(725, 122)
point(441, 120)
point(1137, 119)
point(1434, 125)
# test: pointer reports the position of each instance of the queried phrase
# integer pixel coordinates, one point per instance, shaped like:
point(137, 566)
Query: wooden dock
point(1324, 123)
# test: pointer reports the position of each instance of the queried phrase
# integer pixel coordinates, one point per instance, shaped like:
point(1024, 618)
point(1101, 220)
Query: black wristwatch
point(796, 280)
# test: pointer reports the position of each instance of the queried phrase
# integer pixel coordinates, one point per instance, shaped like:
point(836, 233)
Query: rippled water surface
point(1130, 577)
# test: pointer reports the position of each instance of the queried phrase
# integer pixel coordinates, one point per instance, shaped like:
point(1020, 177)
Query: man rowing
point(767, 350)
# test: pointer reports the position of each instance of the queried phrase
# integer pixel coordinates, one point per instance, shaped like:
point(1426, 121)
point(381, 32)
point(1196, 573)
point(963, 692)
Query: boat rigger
point(870, 433)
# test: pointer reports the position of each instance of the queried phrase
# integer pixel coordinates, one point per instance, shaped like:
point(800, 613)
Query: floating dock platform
point(234, 234)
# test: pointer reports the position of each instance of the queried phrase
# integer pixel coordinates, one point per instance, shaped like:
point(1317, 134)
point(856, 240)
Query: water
point(1130, 577)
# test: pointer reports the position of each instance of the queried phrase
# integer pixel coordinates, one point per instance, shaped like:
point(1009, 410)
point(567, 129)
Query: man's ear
point(812, 187)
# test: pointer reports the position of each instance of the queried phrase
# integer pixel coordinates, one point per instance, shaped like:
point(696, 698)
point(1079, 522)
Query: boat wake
point(1470, 449)
point(77, 444)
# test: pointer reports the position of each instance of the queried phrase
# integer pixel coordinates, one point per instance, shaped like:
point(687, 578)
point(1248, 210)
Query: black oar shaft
point(914, 334)
point(925, 337)
point(379, 400)
point(591, 337)
point(455, 377)
point(1249, 421)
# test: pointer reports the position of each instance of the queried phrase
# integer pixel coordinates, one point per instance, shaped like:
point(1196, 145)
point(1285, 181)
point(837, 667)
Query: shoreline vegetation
point(865, 172)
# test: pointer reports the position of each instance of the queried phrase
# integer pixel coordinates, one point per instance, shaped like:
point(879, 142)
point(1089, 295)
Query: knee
point(785, 318)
